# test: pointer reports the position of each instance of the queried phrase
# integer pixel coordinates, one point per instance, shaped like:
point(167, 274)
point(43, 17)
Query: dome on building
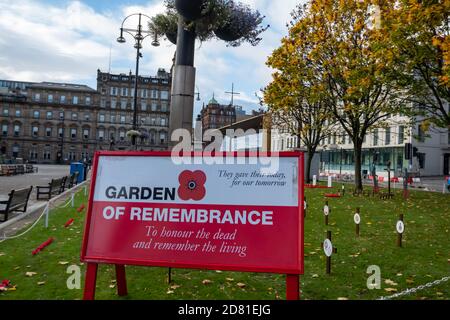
point(213, 100)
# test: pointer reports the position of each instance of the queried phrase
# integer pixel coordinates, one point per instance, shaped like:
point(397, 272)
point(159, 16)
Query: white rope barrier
point(46, 212)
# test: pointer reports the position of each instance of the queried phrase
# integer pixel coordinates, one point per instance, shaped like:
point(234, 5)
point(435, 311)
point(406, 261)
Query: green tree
point(418, 42)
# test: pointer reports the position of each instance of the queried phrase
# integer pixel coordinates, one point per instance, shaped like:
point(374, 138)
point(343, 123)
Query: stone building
point(116, 112)
point(215, 115)
point(61, 123)
point(48, 122)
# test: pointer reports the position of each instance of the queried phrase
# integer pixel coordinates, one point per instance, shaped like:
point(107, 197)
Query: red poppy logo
point(192, 185)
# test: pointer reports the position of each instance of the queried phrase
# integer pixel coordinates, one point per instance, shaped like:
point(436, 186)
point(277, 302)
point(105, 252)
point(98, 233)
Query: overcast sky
point(67, 41)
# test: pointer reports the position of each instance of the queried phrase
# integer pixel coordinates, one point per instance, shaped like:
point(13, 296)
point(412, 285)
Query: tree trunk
point(358, 160)
point(311, 153)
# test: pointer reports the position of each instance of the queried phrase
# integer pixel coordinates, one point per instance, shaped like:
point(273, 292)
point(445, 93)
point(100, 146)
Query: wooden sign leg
point(121, 280)
point(292, 287)
point(91, 281)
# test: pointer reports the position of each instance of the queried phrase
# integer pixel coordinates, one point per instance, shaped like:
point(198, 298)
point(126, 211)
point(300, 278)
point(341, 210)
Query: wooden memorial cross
point(329, 250)
point(326, 212)
point(400, 230)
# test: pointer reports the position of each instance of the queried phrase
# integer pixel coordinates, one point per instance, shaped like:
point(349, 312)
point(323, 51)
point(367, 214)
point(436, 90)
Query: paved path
point(41, 178)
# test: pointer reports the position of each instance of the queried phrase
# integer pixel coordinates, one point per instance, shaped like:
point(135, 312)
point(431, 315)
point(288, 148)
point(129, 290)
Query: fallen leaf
point(16, 268)
point(41, 283)
point(439, 293)
point(63, 263)
point(30, 274)
point(170, 292)
point(112, 286)
point(2, 254)
point(206, 281)
point(241, 285)
point(315, 275)
point(218, 271)
point(390, 282)
point(399, 274)
point(342, 298)
point(229, 279)
point(409, 281)
point(12, 288)
point(390, 289)
point(174, 287)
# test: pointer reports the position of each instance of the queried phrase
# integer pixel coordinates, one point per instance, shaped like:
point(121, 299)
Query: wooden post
point(343, 190)
point(326, 215)
point(91, 281)
point(329, 258)
point(305, 206)
point(121, 280)
point(169, 276)
point(292, 287)
point(358, 211)
point(400, 235)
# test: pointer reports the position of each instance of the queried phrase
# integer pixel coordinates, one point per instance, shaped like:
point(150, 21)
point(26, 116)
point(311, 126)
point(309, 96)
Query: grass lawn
point(425, 257)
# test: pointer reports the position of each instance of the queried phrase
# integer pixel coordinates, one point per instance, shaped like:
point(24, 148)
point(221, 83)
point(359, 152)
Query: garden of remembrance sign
point(145, 210)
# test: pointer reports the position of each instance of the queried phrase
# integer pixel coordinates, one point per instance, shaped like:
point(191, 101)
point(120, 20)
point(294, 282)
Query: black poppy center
point(192, 185)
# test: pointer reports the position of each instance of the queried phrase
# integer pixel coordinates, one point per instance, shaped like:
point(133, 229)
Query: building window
point(387, 138)
point(88, 100)
point(113, 119)
point(49, 115)
point(420, 134)
point(162, 137)
point(4, 130)
point(164, 107)
point(61, 115)
point(5, 112)
point(62, 99)
point(101, 134)
point(103, 103)
point(154, 106)
point(164, 95)
point(75, 100)
point(124, 92)
point(144, 93)
point(18, 113)
point(101, 118)
point(144, 106)
point(123, 104)
point(48, 132)
point(86, 134)
point(154, 94)
point(74, 116)
point(37, 97)
point(401, 134)
point(421, 158)
point(122, 119)
point(73, 133)
point(16, 130)
point(87, 117)
point(35, 131)
point(113, 103)
point(47, 155)
point(113, 91)
point(375, 137)
point(122, 135)
point(36, 114)
point(50, 98)
point(163, 122)
point(61, 132)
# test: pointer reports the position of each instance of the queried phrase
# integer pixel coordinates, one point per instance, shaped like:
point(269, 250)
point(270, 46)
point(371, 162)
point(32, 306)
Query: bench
point(20, 169)
point(8, 170)
point(29, 168)
point(53, 189)
point(18, 201)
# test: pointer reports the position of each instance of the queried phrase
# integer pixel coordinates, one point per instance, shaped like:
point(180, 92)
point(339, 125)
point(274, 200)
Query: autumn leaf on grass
point(315, 275)
point(342, 298)
point(175, 287)
point(241, 285)
point(2, 254)
point(112, 286)
point(390, 289)
point(170, 292)
point(206, 281)
point(409, 281)
point(390, 282)
point(41, 283)
point(229, 279)
point(63, 263)
point(30, 274)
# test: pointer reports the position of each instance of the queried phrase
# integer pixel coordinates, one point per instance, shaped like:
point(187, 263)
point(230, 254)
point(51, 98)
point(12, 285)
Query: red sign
point(218, 213)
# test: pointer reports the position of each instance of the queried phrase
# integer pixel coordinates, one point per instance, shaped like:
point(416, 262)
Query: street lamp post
point(139, 36)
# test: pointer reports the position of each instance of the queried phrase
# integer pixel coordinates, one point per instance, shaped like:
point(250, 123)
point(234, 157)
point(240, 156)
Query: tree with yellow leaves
point(418, 41)
point(336, 43)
